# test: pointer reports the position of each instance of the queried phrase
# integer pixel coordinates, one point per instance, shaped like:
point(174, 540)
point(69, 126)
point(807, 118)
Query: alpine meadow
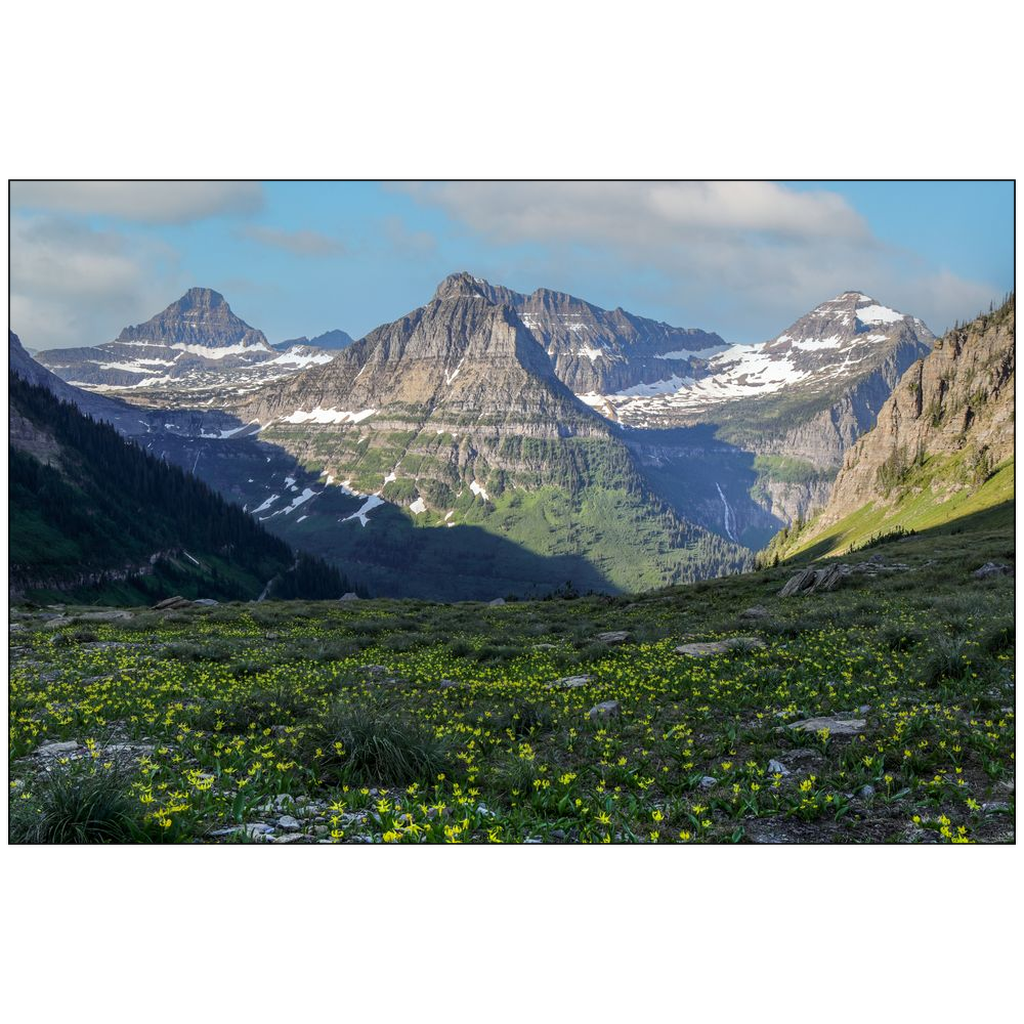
point(326, 532)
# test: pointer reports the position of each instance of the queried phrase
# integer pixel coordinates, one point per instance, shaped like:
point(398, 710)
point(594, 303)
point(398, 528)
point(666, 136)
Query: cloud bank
point(149, 202)
point(743, 258)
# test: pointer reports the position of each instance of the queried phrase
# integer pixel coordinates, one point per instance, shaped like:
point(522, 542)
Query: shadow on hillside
point(390, 556)
point(707, 480)
point(997, 519)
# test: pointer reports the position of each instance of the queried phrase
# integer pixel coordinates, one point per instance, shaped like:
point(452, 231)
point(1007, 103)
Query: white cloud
point(73, 285)
point(299, 243)
point(741, 258)
point(151, 202)
point(632, 213)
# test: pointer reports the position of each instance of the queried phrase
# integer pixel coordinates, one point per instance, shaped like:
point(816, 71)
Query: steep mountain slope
point(596, 350)
point(94, 518)
point(794, 404)
point(455, 415)
point(942, 448)
point(192, 350)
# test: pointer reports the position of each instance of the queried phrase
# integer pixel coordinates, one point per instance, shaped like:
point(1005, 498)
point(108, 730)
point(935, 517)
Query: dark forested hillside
point(93, 516)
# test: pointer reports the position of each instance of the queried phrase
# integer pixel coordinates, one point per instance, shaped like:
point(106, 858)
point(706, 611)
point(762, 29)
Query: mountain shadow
point(707, 480)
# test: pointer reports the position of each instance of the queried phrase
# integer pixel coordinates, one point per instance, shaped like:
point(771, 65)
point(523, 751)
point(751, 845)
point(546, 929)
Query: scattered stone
point(447, 684)
point(615, 636)
point(291, 837)
point(544, 647)
point(777, 768)
point(57, 749)
point(288, 823)
point(866, 792)
point(756, 612)
point(606, 709)
point(229, 831)
point(172, 603)
point(206, 602)
point(350, 596)
point(109, 616)
point(571, 682)
point(733, 643)
point(374, 671)
point(836, 725)
point(992, 569)
point(708, 781)
point(811, 581)
point(258, 828)
point(996, 807)
point(60, 621)
point(496, 603)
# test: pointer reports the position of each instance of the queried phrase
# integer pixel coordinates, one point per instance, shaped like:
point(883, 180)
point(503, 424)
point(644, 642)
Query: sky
point(744, 259)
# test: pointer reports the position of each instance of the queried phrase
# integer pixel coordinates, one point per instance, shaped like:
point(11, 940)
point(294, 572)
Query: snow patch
point(319, 415)
point(364, 510)
point(418, 506)
point(878, 315)
point(479, 491)
point(270, 501)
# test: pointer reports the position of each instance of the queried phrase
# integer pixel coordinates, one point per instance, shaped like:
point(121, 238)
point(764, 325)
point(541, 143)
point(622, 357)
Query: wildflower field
point(880, 712)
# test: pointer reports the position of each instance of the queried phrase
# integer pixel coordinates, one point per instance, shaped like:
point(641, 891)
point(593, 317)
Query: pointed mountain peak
point(461, 285)
point(200, 317)
point(199, 298)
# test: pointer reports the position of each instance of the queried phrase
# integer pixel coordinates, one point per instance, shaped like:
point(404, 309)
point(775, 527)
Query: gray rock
point(288, 823)
point(606, 709)
point(571, 682)
point(811, 581)
point(777, 768)
point(496, 603)
point(996, 807)
point(866, 792)
point(992, 569)
point(206, 602)
point(836, 725)
point(708, 781)
point(615, 636)
point(57, 749)
point(258, 828)
point(291, 837)
point(110, 616)
point(734, 643)
point(350, 596)
point(60, 621)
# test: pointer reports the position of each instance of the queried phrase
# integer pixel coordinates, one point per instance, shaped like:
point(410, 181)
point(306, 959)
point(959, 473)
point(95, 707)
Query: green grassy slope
point(923, 501)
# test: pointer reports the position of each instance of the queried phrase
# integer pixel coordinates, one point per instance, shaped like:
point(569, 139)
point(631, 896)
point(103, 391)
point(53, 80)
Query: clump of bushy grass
point(379, 743)
point(77, 803)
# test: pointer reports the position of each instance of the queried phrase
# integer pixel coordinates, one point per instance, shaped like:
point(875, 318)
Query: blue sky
point(744, 259)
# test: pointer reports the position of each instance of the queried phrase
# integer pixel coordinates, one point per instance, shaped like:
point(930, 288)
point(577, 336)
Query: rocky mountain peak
point(200, 317)
point(461, 285)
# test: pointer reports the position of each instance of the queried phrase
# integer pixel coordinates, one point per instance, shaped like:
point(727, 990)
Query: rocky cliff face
point(459, 361)
point(594, 350)
point(956, 402)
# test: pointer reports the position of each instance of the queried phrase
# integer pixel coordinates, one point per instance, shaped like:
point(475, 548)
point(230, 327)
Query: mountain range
point(492, 442)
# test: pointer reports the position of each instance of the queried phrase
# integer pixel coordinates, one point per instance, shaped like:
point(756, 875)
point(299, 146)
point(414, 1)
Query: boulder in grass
point(614, 636)
point(606, 709)
point(836, 725)
point(733, 643)
point(570, 682)
point(992, 569)
point(172, 603)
